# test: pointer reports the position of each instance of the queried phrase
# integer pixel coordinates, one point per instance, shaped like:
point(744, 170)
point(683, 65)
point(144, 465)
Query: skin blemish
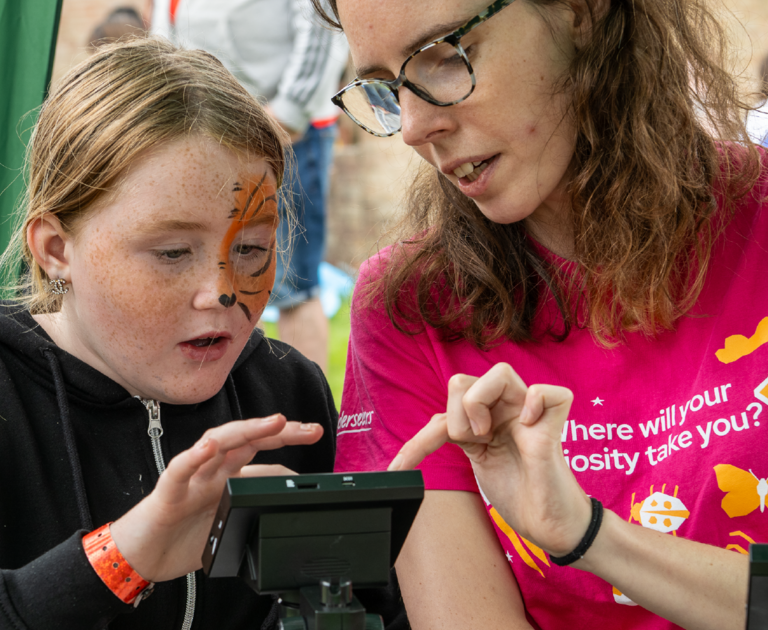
point(247, 277)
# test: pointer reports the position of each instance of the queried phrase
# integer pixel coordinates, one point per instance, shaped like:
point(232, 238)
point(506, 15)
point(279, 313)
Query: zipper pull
point(155, 429)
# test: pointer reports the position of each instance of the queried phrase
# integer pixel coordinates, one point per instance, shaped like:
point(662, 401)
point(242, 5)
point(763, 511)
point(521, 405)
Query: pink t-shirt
point(669, 433)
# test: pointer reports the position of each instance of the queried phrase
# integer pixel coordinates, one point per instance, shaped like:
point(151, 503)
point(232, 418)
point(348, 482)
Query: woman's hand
point(163, 537)
point(512, 435)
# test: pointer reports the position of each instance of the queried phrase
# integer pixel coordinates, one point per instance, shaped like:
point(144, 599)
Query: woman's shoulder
point(750, 207)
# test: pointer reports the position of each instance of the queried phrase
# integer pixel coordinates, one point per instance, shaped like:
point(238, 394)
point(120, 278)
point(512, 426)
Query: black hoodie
point(75, 454)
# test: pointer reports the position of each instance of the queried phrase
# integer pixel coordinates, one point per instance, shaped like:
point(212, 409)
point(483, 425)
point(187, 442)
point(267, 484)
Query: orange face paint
point(247, 252)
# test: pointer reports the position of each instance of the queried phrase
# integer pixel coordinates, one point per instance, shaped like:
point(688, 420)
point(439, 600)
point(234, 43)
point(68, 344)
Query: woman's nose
point(422, 122)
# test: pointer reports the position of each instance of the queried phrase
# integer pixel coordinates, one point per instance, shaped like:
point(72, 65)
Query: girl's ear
point(50, 246)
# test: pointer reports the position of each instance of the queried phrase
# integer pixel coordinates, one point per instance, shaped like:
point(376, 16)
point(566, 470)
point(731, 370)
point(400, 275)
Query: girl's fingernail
point(204, 444)
point(395, 465)
point(475, 428)
point(272, 418)
point(525, 415)
point(307, 426)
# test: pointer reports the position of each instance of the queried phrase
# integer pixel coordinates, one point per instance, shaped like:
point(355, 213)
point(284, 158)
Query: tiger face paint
point(247, 252)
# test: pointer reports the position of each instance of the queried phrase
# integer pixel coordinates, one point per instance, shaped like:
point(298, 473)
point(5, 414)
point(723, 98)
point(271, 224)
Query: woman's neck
point(552, 227)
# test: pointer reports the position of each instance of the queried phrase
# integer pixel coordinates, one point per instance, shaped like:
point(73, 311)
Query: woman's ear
point(50, 246)
point(585, 14)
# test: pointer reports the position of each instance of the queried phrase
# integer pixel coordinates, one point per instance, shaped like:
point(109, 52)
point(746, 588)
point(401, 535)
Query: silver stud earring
point(57, 286)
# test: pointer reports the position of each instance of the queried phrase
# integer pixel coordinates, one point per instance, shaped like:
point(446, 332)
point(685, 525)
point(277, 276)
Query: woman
point(149, 236)
point(577, 224)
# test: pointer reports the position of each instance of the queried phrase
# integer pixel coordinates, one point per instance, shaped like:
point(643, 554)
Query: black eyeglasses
point(439, 73)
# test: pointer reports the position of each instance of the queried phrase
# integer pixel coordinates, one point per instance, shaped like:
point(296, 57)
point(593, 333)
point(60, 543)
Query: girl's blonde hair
point(123, 100)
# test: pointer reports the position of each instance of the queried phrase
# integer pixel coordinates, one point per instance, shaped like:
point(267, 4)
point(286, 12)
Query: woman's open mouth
point(470, 171)
point(474, 177)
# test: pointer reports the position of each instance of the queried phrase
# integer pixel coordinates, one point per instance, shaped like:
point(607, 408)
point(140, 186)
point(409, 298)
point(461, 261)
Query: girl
point(131, 364)
point(590, 217)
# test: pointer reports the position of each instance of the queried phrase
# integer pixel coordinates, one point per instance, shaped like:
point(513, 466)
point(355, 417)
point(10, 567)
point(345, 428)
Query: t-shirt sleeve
point(391, 390)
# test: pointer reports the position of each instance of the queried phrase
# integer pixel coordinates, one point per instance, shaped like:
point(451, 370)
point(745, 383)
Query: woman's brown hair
point(107, 111)
point(660, 142)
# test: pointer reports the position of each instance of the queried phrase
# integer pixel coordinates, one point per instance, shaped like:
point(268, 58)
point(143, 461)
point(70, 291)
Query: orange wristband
point(112, 568)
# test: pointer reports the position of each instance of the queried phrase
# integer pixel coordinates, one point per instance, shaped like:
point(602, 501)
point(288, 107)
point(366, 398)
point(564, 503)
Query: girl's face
point(513, 121)
point(169, 278)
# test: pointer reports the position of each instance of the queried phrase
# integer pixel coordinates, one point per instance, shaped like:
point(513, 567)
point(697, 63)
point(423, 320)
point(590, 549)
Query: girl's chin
point(191, 389)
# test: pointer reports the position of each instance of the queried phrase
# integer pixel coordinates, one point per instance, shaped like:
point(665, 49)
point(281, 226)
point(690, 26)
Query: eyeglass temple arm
point(476, 21)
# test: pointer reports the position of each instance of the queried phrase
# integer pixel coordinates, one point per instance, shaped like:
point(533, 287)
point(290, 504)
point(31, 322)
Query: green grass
point(338, 337)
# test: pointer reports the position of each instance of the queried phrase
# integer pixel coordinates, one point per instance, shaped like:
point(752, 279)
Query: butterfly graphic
point(745, 490)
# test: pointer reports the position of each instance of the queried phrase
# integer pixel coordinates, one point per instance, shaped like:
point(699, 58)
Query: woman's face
point(513, 121)
point(169, 278)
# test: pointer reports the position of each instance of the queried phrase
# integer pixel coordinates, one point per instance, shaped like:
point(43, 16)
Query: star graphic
point(597, 401)
point(509, 556)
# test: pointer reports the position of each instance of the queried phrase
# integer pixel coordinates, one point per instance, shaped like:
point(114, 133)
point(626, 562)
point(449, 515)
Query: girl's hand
point(512, 435)
point(163, 537)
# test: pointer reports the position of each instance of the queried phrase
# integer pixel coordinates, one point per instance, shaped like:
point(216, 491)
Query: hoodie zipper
point(155, 432)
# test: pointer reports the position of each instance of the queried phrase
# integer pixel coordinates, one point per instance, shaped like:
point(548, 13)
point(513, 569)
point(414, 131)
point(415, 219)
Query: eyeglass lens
point(439, 74)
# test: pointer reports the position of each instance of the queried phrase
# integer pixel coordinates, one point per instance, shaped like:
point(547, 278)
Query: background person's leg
point(302, 322)
point(305, 327)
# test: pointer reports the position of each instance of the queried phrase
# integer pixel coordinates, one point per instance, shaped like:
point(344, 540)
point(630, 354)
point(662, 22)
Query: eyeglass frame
point(394, 85)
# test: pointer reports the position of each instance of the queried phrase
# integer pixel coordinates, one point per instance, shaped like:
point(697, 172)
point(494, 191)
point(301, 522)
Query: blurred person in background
point(757, 121)
point(122, 21)
point(280, 53)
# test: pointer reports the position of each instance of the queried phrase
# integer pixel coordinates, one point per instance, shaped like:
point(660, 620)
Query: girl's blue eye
point(170, 255)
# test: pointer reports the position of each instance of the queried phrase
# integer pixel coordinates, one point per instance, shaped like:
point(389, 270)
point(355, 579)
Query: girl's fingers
point(229, 447)
point(227, 437)
point(240, 432)
point(425, 442)
point(175, 480)
point(294, 433)
point(228, 462)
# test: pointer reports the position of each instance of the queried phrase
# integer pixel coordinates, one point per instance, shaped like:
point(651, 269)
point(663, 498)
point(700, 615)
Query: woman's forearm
point(694, 585)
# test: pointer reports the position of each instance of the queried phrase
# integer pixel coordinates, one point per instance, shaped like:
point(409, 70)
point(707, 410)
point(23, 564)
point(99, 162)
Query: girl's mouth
point(206, 348)
point(205, 341)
